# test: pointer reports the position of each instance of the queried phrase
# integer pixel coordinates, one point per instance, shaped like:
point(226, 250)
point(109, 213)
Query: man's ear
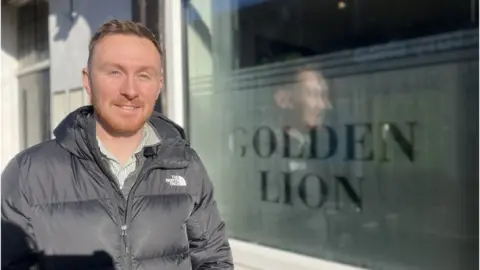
point(160, 86)
point(283, 98)
point(86, 77)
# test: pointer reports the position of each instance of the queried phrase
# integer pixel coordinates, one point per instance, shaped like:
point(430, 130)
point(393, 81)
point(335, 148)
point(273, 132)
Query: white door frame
point(174, 65)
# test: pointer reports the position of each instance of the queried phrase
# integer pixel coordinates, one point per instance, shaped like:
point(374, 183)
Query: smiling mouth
point(127, 107)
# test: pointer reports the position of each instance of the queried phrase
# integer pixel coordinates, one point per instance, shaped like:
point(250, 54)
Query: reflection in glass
point(341, 129)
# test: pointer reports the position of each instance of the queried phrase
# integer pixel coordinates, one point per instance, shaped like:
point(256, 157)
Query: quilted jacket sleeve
point(18, 244)
point(206, 230)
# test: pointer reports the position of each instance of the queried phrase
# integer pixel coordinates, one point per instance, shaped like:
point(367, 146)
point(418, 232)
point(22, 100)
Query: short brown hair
point(122, 27)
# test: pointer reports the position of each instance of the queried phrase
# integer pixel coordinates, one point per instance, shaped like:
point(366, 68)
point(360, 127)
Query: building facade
point(344, 130)
point(338, 134)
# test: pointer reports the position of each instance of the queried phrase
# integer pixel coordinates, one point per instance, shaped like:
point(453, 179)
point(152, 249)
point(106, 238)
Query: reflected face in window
point(309, 99)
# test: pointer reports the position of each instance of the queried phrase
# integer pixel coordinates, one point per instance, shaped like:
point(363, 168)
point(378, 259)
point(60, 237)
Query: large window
point(341, 129)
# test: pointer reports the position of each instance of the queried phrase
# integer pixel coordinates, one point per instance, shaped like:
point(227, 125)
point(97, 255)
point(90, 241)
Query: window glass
point(345, 129)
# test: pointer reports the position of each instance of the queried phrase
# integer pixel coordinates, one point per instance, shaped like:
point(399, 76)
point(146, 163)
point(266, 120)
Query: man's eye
point(115, 72)
point(145, 76)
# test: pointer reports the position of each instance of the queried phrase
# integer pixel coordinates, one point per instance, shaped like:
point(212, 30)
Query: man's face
point(310, 99)
point(124, 81)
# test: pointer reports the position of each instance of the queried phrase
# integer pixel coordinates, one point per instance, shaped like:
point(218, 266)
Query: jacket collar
point(76, 134)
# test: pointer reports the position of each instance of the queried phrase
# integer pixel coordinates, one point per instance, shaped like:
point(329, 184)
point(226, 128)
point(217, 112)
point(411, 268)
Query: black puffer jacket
point(59, 203)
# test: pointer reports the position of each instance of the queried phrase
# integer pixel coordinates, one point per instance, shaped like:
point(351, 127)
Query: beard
point(115, 124)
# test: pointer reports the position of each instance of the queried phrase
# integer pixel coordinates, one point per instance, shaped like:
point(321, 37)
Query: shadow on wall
point(85, 14)
point(64, 28)
point(67, 14)
point(15, 241)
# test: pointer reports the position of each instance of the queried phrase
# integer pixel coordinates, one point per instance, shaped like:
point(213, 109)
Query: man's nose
point(324, 103)
point(129, 88)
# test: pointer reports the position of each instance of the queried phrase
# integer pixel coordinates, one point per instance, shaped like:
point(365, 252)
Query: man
point(119, 185)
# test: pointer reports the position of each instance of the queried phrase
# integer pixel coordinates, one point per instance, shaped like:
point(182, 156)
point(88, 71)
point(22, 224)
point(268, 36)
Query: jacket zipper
point(146, 168)
point(124, 238)
point(123, 228)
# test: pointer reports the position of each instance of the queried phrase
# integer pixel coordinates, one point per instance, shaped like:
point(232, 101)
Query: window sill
point(248, 256)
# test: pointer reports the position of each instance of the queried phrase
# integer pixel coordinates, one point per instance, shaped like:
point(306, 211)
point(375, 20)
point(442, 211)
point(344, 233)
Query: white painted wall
point(9, 103)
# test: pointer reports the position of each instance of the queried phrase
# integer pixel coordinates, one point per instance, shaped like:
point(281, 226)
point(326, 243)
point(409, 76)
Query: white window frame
point(174, 62)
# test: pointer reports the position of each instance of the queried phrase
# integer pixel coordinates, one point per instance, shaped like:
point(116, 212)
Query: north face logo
point(176, 180)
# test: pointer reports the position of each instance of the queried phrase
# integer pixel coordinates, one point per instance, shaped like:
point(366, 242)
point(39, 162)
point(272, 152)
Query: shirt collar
point(149, 138)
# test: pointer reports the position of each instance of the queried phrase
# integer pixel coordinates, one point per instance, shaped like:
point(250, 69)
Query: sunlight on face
point(124, 81)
